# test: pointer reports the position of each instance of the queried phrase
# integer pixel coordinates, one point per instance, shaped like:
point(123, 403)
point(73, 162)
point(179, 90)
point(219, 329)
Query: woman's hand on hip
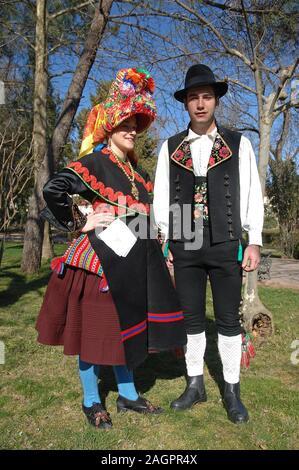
point(98, 220)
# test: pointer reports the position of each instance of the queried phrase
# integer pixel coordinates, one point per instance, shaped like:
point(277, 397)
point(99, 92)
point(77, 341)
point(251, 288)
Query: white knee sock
point(230, 352)
point(194, 353)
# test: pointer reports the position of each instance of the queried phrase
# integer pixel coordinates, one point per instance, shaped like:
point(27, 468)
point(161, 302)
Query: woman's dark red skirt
point(78, 316)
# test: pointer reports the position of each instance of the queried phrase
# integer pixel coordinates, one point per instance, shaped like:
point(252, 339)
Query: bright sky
point(168, 77)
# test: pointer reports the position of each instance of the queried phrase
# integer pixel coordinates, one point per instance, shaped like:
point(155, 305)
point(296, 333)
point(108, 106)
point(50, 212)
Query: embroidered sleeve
point(79, 219)
point(61, 210)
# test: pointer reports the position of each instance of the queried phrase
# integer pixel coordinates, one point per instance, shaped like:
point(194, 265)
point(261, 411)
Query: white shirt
point(251, 199)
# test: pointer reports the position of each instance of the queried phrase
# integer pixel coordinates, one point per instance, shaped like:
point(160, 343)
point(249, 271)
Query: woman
point(103, 301)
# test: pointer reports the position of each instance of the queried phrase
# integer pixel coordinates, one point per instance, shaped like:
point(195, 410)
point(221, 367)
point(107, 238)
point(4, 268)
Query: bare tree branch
point(25, 39)
point(249, 129)
point(229, 7)
point(65, 11)
point(237, 82)
point(283, 108)
point(248, 32)
point(216, 32)
point(286, 73)
point(16, 171)
point(151, 32)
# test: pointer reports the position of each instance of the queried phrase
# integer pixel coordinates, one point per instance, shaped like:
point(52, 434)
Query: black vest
point(222, 183)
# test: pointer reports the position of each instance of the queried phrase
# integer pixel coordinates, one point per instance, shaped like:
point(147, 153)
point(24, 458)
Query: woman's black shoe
point(141, 405)
point(97, 416)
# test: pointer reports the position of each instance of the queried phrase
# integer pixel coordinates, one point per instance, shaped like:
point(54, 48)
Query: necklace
point(134, 190)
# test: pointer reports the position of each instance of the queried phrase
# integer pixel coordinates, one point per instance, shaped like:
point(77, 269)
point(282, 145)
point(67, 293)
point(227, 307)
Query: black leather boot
point(194, 393)
point(236, 411)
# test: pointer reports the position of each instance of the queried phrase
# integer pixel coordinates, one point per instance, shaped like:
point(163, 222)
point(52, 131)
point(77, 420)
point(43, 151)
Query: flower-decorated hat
point(130, 94)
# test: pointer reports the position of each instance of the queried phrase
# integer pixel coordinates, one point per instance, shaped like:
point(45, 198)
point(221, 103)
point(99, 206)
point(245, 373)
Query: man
point(213, 170)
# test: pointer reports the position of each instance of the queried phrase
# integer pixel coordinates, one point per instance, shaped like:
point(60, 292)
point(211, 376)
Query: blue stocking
point(89, 379)
point(125, 382)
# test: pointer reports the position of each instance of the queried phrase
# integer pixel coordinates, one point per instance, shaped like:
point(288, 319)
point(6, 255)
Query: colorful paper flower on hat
point(151, 85)
point(126, 88)
point(134, 76)
point(130, 94)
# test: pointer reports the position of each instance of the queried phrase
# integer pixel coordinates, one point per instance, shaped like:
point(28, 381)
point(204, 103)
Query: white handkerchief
point(118, 237)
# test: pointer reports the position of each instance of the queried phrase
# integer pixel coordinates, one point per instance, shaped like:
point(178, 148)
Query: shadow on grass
point(7, 269)
point(18, 285)
point(14, 247)
point(166, 366)
point(157, 366)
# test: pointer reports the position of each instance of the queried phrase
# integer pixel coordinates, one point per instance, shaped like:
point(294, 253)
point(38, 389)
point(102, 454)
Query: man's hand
point(251, 258)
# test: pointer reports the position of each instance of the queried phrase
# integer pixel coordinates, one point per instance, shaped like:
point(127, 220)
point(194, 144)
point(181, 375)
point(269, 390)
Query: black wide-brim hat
point(200, 75)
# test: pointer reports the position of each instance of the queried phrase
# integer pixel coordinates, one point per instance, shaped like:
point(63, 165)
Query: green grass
point(40, 400)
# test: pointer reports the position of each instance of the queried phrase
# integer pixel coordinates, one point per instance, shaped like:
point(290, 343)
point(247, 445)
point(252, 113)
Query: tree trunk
point(79, 79)
point(47, 252)
point(33, 237)
point(257, 319)
point(264, 150)
point(288, 239)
